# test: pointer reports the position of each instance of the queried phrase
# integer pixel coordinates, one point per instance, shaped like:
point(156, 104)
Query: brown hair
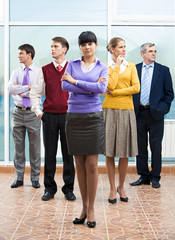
point(113, 43)
point(63, 42)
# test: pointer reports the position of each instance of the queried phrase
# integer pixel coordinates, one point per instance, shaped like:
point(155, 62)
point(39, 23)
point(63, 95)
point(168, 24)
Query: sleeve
point(168, 89)
point(69, 87)
point(113, 78)
point(96, 87)
point(16, 89)
point(133, 88)
point(36, 92)
point(26, 94)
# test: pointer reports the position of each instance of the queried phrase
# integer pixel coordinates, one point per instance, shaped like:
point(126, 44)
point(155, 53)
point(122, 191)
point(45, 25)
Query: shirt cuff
point(37, 111)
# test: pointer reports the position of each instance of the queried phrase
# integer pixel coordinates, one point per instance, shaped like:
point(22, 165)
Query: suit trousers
point(53, 126)
point(23, 121)
point(150, 130)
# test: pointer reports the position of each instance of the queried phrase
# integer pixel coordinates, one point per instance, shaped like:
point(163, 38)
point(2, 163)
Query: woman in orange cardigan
point(119, 116)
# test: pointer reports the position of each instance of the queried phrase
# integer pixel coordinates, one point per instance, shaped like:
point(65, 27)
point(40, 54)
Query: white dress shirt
point(150, 71)
point(150, 76)
point(38, 90)
point(18, 91)
point(83, 66)
point(123, 65)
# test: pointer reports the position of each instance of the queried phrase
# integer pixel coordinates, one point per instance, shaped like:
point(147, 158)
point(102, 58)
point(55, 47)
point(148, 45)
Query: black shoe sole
point(16, 186)
point(145, 183)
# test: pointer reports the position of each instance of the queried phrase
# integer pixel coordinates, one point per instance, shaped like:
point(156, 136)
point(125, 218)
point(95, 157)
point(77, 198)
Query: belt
point(143, 107)
point(23, 108)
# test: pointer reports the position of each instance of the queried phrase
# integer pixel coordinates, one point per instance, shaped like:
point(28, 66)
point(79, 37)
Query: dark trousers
point(150, 130)
point(53, 126)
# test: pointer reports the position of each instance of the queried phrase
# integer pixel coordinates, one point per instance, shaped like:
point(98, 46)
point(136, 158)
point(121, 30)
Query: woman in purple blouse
point(85, 78)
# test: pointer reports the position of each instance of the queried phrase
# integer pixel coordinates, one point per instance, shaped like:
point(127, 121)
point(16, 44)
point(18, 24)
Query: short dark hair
point(28, 48)
point(63, 42)
point(86, 37)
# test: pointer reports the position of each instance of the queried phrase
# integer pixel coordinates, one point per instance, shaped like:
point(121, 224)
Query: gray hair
point(144, 46)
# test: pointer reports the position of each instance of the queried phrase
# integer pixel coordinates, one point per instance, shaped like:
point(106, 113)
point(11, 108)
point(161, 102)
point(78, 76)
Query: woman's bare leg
point(110, 164)
point(92, 182)
point(81, 176)
point(122, 168)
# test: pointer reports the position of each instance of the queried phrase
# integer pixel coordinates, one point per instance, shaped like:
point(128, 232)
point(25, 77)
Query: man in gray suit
point(23, 119)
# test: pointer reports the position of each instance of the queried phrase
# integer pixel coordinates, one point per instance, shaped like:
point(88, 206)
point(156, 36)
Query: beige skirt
point(120, 133)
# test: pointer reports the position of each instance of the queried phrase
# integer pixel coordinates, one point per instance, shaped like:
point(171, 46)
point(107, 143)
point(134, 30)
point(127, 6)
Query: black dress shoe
point(79, 220)
point(35, 184)
point(91, 224)
point(16, 184)
point(47, 196)
point(70, 196)
point(123, 199)
point(112, 201)
point(155, 184)
point(140, 181)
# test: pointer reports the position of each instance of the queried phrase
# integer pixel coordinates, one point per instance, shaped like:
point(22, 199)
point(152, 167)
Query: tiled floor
point(149, 214)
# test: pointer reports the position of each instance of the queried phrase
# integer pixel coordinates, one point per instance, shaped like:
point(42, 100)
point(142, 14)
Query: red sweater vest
point(56, 98)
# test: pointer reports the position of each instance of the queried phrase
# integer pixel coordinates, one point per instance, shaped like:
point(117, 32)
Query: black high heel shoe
point(91, 224)
point(122, 198)
point(79, 220)
point(112, 201)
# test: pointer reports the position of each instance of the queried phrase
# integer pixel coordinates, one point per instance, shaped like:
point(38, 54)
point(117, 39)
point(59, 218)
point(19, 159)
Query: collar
point(113, 64)
point(97, 61)
point(62, 64)
point(144, 64)
point(31, 67)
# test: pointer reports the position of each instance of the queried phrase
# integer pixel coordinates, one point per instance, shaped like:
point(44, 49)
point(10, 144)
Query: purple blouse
point(84, 97)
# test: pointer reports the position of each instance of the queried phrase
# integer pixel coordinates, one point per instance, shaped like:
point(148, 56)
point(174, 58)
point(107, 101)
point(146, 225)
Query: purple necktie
point(26, 100)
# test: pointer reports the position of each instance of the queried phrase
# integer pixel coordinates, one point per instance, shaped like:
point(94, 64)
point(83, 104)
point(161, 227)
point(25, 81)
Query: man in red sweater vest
point(54, 117)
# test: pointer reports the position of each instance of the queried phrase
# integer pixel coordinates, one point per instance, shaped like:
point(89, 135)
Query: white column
point(6, 79)
point(109, 24)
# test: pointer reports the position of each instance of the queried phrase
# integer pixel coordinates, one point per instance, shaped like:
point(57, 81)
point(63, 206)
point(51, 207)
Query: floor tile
point(149, 213)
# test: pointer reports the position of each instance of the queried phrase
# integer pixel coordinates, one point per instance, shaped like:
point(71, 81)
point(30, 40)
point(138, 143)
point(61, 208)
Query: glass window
point(56, 10)
point(135, 36)
point(43, 39)
point(137, 7)
point(2, 11)
point(1, 93)
point(42, 44)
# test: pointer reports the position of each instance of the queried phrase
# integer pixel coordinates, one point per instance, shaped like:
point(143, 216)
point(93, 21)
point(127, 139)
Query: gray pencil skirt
point(85, 133)
point(121, 133)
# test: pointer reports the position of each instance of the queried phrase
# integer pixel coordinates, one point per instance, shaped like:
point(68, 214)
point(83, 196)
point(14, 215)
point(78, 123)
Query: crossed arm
point(81, 86)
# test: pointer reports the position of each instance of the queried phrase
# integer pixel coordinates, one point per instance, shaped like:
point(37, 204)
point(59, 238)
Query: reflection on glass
point(2, 94)
point(135, 36)
point(1, 11)
point(57, 10)
point(149, 7)
point(43, 38)
point(42, 44)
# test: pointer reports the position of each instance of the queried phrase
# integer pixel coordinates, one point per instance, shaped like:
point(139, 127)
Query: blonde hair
point(113, 43)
